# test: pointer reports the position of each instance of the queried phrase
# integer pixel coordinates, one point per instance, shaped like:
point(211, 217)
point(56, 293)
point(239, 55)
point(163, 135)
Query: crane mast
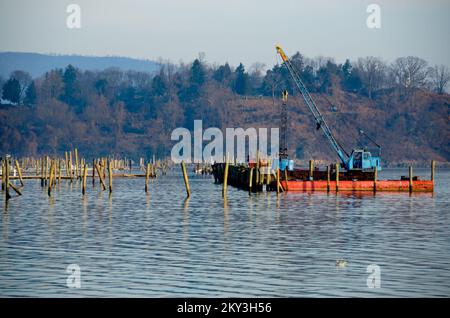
point(320, 121)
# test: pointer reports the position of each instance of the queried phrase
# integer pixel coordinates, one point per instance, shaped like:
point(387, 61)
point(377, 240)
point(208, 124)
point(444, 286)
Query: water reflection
point(259, 245)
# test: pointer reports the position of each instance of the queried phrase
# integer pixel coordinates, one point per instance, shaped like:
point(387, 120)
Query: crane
point(359, 158)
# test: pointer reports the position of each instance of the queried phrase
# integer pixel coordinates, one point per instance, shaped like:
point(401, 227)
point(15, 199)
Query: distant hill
point(37, 64)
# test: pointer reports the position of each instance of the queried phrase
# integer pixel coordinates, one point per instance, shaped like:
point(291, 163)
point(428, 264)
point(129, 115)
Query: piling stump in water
point(110, 177)
point(186, 180)
point(19, 171)
point(83, 188)
point(225, 180)
point(337, 176)
point(328, 178)
point(147, 175)
point(411, 187)
point(6, 172)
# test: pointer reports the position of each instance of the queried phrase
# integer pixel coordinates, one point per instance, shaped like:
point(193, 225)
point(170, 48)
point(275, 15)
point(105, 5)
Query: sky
point(231, 31)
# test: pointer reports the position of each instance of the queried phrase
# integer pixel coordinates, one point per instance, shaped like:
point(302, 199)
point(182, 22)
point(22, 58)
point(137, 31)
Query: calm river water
point(159, 245)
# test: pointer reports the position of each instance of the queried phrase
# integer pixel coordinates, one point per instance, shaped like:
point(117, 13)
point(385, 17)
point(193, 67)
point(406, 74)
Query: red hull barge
point(381, 185)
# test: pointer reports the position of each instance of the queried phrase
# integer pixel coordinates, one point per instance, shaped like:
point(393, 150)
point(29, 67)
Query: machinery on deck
point(360, 158)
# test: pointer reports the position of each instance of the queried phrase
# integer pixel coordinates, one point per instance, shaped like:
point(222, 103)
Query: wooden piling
point(328, 178)
point(225, 180)
point(59, 171)
point(76, 163)
point(6, 172)
point(311, 170)
point(50, 181)
point(250, 180)
point(337, 176)
point(67, 163)
point(46, 172)
point(70, 166)
point(375, 177)
point(147, 175)
point(433, 166)
point(269, 170)
point(83, 188)
point(411, 188)
point(3, 175)
point(186, 180)
point(37, 167)
point(100, 176)
point(93, 171)
point(257, 169)
point(15, 189)
point(19, 171)
point(110, 170)
point(278, 180)
point(42, 172)
point(286, 178)
point(104, 168)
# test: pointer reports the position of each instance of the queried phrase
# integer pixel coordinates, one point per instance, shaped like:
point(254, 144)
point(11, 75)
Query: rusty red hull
point(381, 185)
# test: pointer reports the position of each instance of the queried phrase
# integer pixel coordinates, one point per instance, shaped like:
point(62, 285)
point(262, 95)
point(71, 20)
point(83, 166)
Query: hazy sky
point(229, 30)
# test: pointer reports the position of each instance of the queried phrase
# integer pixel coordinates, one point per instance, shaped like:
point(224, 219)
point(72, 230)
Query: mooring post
point(93, 172)
point(3, 175)
point(147, 175)
point(19, 172)
point(59, 170)
point(410, 179)
point(257, 168)
point(311, 170)
point(37, 167)
point(286, 178)
point(104, 168)
point(42, 172)
point(269, 171)
point(250, 180)
point(47, 172)
point(278, 180)
point(186, 180)
point(337, 176)
point(66, 163)
point(102, 182)
point(70, 166)
point(76, 163)
point(50, 180)
point(433, 165)
point(110, 170)
point(6, 172)
point(83, 188)
point(328, 178)
point(225, 180)
point(375, 177)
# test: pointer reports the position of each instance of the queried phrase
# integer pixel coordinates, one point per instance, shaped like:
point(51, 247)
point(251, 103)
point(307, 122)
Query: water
point(160, 245)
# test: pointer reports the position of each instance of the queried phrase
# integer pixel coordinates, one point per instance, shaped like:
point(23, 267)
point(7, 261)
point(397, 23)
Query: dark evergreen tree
point(30, 94)
point(241, 80)
point(69, 80)
point(11, 90)
point(159, 87)
point(351, 79)
point(223, 74)
point(197, 73)
point(100, 86)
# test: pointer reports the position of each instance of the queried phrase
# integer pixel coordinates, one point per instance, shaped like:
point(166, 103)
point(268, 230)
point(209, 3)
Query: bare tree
point(409, 72)
point(24, 79)
point(440, 76)
point(372, 71)
point(257, 69)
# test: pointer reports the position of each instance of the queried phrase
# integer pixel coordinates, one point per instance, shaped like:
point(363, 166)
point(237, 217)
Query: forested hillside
point(402, 105)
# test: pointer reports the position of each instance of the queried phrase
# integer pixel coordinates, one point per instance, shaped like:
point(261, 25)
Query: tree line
point(184, 83)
